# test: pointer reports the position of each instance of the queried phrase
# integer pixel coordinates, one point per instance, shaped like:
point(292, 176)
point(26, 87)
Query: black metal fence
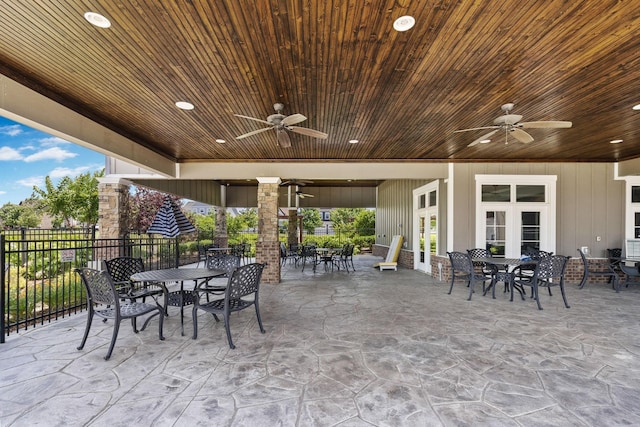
point(39, 283)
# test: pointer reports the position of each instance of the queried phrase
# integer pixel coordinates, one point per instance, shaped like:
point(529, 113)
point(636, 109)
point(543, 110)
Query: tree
point(250, 217)
point(235, 224)
point(365, 222)
point(311, 219)
point(72, 198)
point(206, 224)
point(14, 216)
point(343, 219)
point(143, 206)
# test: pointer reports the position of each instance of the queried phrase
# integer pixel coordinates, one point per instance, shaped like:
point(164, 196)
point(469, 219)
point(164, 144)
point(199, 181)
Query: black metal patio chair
point(242, 291)
point(462, 268)
point(103, 300)
point(593, 271)
point(547, 273)
point(120, 269)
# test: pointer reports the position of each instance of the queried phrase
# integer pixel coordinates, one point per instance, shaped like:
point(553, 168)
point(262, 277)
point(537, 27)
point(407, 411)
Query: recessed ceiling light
point(485, 141)
point(615, 141)
point(353, 141)
point(97, 20)
point(220, 141)
point(636, 107)
point(183, 105)
point(404, 23)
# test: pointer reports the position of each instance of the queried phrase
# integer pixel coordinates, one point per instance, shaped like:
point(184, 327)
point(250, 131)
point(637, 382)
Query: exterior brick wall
point(268, 245)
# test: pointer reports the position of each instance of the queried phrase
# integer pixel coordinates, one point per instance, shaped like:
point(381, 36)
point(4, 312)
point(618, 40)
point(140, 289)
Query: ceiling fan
point(511, 125)
point(282, 124)
point(303, 195)
point(296, 182)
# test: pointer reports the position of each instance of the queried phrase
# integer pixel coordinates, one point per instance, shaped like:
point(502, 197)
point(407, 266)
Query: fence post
point(3, 266)
point(23, 237)
point(177, 253)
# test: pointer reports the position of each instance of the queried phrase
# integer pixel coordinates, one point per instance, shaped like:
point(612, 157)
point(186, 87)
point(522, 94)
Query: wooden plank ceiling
point(341, 64)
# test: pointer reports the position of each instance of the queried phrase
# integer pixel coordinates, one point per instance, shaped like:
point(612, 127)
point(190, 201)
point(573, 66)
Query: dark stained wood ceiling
point(341, 64)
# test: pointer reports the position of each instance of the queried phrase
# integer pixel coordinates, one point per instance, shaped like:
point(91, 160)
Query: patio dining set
point(535, 269)
point(313, 256)
point(120, 290)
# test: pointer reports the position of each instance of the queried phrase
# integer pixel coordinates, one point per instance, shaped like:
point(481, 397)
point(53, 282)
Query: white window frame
point(427, 210)
point(547, 209)
point(630, 208)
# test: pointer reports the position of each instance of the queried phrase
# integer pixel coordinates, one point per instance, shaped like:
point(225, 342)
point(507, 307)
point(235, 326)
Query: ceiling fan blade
point(303, 195)
point(283, 139)
point(297, 182)
point(293, 119)
point(545, 124)
point(253, 132)
point(309, 132)
point(484, 127)
point(521, 135)
point(253, 118)
point(483, 137)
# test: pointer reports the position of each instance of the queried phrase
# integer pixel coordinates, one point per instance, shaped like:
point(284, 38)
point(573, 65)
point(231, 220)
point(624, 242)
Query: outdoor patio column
point(267, 245)
point(292, 230)
point(113, 214)
point(221, 239)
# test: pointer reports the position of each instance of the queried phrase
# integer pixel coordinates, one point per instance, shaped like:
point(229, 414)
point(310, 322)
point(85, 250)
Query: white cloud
point(3, 192)
point(31, 181)
point(11, 130)
point(62, 172)
point(52, 141)
point(54, 153)
point(8, 153)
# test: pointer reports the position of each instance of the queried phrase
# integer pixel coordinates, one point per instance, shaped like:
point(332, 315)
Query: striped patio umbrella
point(170, 221)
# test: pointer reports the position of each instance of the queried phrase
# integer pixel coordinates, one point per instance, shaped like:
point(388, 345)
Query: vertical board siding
point(395, 206)
point(589, 203)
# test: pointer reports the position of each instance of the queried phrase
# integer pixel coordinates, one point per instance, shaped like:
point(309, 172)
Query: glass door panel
point(529, 231)
point(496, 232)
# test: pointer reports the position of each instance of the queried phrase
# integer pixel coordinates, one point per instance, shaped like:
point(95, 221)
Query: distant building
point(198, 207)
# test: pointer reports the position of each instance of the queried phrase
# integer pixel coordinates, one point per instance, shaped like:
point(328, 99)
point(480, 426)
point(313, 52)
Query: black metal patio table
point(507, 265)
point(179, 298)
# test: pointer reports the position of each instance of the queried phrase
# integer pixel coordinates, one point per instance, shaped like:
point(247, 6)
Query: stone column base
point(269, 252)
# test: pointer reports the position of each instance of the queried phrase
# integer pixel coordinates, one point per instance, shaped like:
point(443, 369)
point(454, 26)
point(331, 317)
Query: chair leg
point(564, 297)
point(453, 278)
point(228, 330)
point(535, 291)
point(258, 316)
point(87, 327)
point(160, 322)
point(471, 285)
point(116, 328)
point(195, 321)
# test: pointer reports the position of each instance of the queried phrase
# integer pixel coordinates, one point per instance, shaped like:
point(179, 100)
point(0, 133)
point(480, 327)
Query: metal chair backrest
point(244, 281)
point(479, 253)
point(552, 267)
point(460, 261)
point(223, 262)
point(121, 268)
point(100, 287)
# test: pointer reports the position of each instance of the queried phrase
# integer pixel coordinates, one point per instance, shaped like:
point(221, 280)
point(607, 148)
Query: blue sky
point(27, 156)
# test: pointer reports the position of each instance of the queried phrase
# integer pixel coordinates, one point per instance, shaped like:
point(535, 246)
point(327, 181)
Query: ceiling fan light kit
point(511, 124)
point(282, 124)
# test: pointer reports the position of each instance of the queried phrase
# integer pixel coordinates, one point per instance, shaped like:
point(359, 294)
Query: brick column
point(221, 239)
point(113, 214)
point(268, 246)
point(292, 230)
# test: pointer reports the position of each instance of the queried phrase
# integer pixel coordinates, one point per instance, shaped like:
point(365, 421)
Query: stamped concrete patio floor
point(368, 348)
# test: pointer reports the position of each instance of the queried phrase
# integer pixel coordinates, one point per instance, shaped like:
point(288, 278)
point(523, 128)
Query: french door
point(515, 214)
point(509, 231)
